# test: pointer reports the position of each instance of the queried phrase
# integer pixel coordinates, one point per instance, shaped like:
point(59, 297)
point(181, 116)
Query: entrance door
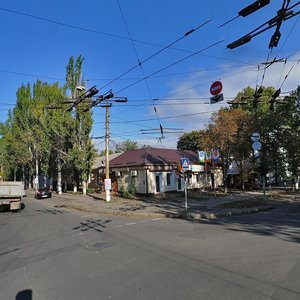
point(157, 184)
point(179, 186)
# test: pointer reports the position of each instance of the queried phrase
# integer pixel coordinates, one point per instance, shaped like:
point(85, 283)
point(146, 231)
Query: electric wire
point(171, 65)
point(75, 26)
point(139, 62)
point(169, 117)
point(126, 78)
point(204, 83)
point(289, 72)
point(265, 69)
point(154, 54)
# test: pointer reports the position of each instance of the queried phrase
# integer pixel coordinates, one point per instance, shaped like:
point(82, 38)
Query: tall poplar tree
point(82, 152)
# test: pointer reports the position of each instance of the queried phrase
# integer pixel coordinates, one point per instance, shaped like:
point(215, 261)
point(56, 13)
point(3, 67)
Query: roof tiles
point(152, 156)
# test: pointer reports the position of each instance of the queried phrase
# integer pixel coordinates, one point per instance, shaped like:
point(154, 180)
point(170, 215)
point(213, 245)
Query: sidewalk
point(208, 208)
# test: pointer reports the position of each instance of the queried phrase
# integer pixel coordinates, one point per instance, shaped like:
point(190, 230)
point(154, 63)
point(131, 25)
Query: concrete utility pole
point(107, 106)
point(107, 190)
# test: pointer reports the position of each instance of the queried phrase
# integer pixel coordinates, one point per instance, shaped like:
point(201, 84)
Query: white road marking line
point(137, 222)
point(132, 223)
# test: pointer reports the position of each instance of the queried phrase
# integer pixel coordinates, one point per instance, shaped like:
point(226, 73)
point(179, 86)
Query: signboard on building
point(197, 168)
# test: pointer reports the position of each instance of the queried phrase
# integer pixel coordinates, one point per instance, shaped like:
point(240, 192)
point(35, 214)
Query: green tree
point(17, 136)
point(127, 145)
point(82, 152)
point(290, 133)
point(51, 129)
point(194, 140)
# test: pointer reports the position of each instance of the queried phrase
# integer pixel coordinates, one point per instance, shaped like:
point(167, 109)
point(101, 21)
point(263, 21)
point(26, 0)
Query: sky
point(141, 50)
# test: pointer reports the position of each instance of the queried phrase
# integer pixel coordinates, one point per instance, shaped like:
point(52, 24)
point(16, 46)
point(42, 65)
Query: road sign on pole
point(255, 137)
point(185, 163)
point(216, 88)
point(256, 146)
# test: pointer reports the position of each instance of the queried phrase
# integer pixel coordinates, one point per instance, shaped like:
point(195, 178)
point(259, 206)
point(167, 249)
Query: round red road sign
point(216, 88)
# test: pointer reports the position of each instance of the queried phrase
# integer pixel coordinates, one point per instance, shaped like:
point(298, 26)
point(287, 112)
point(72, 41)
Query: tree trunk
point(74, 185)
point(36, 181)
point(225, 177)
point(59, 181)
point(84, 187)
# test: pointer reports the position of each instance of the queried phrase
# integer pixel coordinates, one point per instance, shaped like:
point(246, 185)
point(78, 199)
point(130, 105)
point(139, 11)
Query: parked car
point(43, 192)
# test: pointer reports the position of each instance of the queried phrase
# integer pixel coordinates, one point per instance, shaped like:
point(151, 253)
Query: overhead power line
point(74, 26)
point(139, 62)
point(156, 53)
point(171, 65)
point(81, 28)
point(170, 117)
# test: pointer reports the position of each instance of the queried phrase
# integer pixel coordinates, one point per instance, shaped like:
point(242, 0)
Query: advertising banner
point(201, 155)
point(215, 153)
point(208, 156)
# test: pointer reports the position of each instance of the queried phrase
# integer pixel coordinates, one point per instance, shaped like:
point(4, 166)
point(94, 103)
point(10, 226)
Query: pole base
point(107, 196)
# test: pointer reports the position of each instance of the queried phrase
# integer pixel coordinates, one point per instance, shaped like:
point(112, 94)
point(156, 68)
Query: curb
point(212, 216)
point(185, 216)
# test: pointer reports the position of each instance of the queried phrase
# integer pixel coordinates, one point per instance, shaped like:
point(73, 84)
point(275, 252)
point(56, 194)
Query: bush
point(90, 190)
point(133, 187)
point(124, 193)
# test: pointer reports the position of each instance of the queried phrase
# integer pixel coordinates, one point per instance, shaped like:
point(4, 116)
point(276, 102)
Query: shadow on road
point(96, 225)
point(282, 222)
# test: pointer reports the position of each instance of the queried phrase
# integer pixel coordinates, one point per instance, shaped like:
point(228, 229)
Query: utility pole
point(107, 179)
point(107, 106)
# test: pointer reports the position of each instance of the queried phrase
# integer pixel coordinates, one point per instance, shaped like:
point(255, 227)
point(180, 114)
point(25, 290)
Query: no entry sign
point(216, 88)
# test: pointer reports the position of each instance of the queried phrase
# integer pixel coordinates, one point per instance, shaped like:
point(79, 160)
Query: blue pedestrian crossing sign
point(185, 163)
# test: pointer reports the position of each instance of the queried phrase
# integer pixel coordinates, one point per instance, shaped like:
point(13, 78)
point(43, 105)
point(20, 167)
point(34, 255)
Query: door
point(157, 184)
point(179, 186)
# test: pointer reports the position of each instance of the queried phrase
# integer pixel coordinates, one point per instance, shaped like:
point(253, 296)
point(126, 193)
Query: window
point(169, 178)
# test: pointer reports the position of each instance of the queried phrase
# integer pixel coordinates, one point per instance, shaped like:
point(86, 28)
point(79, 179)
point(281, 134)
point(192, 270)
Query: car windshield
point(46, 189)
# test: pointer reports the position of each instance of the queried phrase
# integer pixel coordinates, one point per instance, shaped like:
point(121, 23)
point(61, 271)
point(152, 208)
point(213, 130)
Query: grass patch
point(244, 203)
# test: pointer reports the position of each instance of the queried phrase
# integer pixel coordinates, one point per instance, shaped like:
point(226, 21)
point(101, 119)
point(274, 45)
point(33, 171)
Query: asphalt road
point(55, 253)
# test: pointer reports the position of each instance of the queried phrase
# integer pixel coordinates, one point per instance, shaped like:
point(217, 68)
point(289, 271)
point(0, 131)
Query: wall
point(164, 187)
point(126, 179)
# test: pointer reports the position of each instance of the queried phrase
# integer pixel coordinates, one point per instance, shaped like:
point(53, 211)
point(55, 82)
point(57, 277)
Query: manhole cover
point(97, 245)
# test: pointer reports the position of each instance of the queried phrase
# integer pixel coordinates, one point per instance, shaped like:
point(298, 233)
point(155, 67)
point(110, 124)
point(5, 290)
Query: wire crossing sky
point(162, 55)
